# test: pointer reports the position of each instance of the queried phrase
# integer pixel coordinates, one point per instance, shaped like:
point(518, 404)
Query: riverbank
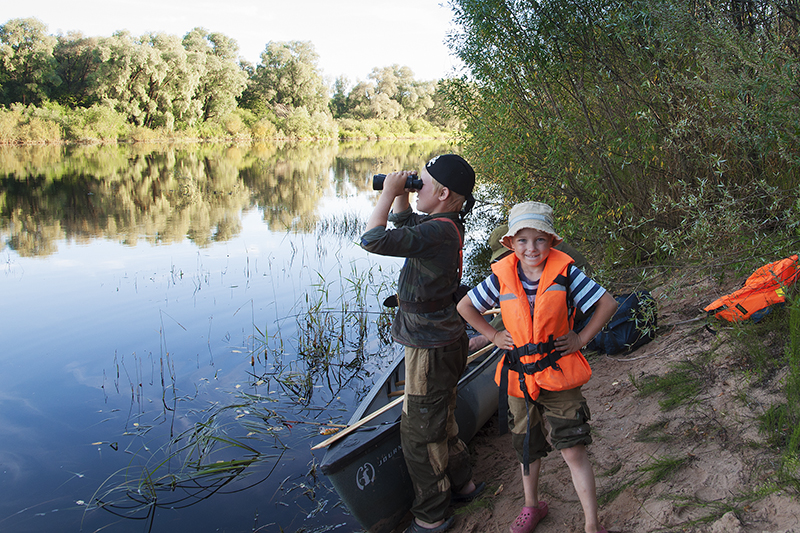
point(700, 466)
point(55, 124)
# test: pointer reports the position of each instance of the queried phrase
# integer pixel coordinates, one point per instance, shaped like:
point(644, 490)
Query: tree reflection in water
point(165, 193)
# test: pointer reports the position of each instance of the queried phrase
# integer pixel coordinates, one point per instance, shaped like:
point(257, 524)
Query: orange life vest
point(551, 319)
point(766, 286)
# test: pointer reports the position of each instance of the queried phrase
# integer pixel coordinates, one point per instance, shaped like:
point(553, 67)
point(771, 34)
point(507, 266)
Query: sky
point(351, 36)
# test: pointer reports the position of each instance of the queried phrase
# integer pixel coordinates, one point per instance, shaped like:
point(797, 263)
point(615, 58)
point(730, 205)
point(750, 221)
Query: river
point(179, 325)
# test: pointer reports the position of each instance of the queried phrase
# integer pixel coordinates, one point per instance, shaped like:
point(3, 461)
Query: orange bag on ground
point(766, 286)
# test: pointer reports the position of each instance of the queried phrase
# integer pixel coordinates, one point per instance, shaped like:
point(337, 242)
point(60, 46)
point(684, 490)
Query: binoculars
point(412, 182)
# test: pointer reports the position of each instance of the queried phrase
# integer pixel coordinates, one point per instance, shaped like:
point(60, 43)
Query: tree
point(78, 61)
point(442, 114)
point(223, 80)
point(152, 80)
point(127, 67)
point(398, 84)
point(389, 93)
point(338, 103)
point(365, 102)
point(288, 75)
point(27, 66)
point(620, 107)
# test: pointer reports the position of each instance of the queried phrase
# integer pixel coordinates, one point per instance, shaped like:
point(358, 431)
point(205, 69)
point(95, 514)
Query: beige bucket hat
point(535, 215)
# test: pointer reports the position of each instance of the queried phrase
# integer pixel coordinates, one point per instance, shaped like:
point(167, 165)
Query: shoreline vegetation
point(55, 124)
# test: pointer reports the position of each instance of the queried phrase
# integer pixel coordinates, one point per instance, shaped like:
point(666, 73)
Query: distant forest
point(74, 87)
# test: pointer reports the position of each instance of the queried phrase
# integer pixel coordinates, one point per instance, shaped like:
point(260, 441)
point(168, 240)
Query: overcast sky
point(351, 36)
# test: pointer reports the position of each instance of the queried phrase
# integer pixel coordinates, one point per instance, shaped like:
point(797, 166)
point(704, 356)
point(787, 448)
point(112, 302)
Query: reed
point(339, 330)
point(197, 463)
point(339, 342)
point(345, 225)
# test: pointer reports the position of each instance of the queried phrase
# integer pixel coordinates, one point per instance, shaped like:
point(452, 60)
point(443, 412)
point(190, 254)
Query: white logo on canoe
point(365, 475)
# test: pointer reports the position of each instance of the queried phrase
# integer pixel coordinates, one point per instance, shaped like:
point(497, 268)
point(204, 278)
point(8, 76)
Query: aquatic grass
point(343, 225)
point(681, 385)
point(654, 432)
point(341, 328)
point(660, 469)
point(760, 346)
point(714, 509)
point(605, 497)
point(779, 423)
point(336, 348)
point(198, 463)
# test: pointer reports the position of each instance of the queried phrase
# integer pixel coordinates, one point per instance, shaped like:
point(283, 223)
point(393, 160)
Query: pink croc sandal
point(528, 519)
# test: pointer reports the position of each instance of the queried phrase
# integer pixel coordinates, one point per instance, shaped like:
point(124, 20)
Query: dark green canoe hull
point(367, 468)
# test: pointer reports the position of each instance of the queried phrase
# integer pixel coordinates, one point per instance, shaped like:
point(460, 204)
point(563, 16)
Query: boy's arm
point(479, 341)
point(393, 195)
point(605, 308)
point(468, 311)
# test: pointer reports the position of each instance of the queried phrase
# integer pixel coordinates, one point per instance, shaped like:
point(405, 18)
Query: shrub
point(234, 124)
point(263, 129)
point(297, 124)
point(98, 123)
point(349, 128)
point(30, 125)
point(324, 126)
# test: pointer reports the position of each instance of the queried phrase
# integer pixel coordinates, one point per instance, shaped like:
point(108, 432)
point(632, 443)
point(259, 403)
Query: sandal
point(528, 519)
point(416, 528)
point(455, 497)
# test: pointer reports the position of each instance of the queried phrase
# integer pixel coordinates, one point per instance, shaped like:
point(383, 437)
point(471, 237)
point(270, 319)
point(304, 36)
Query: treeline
point(662, 130)
point(155, 85)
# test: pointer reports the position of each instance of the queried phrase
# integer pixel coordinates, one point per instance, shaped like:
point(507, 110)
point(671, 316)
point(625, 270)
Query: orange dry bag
point(766, 286)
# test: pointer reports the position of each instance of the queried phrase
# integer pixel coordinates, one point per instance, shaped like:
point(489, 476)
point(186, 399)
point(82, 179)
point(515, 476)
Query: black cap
point(453, 172)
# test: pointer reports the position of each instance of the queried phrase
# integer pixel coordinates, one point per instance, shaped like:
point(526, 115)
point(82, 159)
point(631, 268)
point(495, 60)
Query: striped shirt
point(583, 291)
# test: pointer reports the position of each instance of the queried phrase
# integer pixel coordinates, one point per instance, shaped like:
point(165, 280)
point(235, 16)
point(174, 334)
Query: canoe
point(366, 467)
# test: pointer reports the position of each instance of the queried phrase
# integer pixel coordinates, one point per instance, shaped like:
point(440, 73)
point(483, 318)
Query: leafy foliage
point(389, 93)
point(222, 81)
point(613, 111)
point(197, 85)
point(289, 75)
point(27, 65)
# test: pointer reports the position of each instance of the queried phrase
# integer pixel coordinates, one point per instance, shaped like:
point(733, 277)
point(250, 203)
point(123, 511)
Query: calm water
point(165, 309)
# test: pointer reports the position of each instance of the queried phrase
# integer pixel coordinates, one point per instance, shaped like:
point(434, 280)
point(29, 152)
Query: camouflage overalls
point(436, 351)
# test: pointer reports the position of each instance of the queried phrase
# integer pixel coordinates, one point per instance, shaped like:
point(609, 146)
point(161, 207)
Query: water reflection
point(161, 299)
point(162, 194)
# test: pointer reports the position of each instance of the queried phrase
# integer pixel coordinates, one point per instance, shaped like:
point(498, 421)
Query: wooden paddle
point(480, 352)
point(349, 429)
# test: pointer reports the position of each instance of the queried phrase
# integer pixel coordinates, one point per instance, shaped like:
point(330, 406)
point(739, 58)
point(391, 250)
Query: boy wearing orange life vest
point(538, 289)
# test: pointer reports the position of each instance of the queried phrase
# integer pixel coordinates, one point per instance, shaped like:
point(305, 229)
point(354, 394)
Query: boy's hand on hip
point(503, 340)
point(569, 343)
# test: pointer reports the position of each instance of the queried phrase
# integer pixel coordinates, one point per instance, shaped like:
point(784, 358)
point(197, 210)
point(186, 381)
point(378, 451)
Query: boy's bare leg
point(577, 458)
point(429, 525)
point(530, 483)
point(469, 487)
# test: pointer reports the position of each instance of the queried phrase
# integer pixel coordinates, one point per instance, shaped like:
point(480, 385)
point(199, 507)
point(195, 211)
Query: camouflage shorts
point(566, 413)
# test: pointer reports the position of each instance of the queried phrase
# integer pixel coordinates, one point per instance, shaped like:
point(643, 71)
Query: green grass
point(662, 469)
point(681, 385)
point(654, 432)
